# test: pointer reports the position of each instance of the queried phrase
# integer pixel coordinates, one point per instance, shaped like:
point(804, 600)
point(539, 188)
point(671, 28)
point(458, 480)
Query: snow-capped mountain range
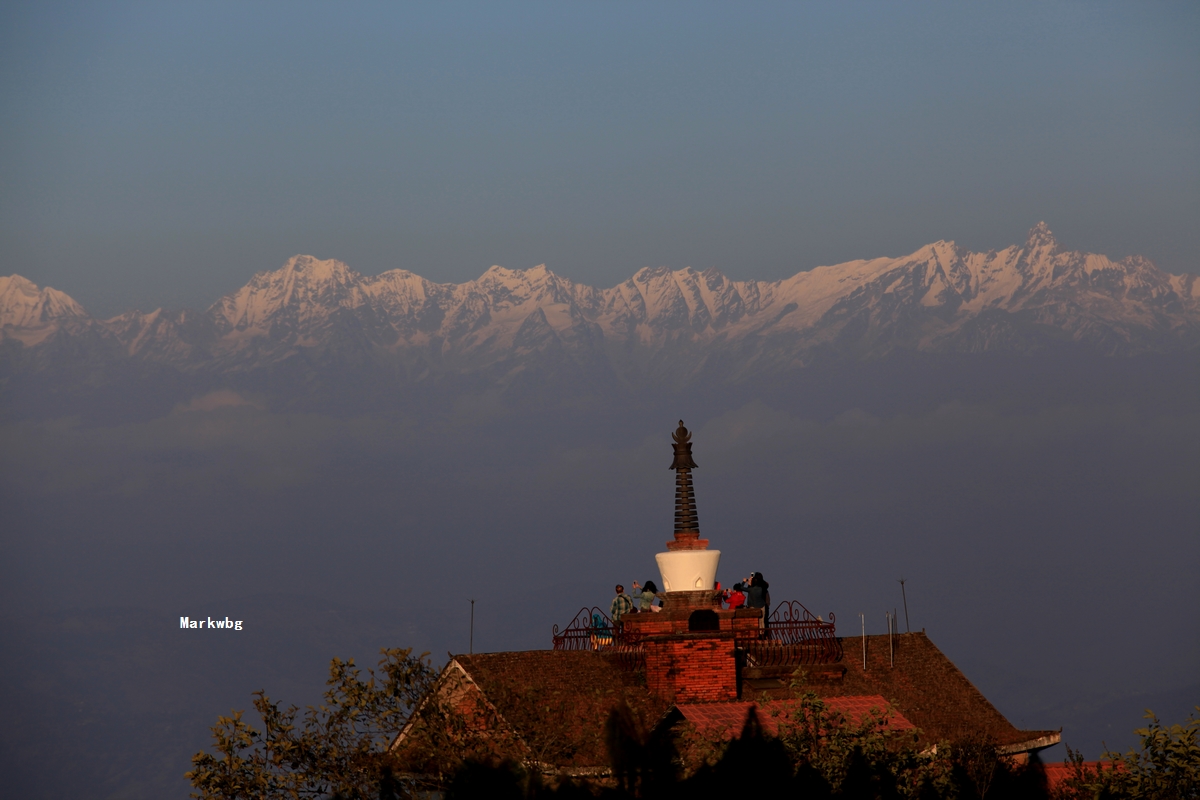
point(660, 323)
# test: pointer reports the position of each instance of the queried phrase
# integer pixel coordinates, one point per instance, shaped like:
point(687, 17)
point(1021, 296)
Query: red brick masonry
point(692, 666)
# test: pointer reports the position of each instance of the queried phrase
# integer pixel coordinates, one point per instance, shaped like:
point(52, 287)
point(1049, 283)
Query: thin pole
point(471, 646)
point(863, 618)
point(891, 646)
point(905, 597)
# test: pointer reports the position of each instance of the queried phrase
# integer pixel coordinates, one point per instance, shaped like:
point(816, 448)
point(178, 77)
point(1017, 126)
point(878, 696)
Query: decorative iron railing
point(591, 629)
point(792, 636)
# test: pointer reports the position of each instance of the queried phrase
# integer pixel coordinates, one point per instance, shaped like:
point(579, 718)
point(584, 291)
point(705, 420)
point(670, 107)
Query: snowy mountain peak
point(304, 287)
point(316, 268)
point(18, 283)
point(24, 304)
point(519, 284)
point(497, 273)
point(938, 298)
point(647, 274)
point(941, 251)
point(1040, 237)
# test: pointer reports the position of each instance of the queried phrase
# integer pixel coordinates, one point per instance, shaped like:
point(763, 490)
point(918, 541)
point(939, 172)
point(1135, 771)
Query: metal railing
point(591, 629)
point(793, 637)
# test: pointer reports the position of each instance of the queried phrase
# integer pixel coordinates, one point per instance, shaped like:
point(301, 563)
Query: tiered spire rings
point(687, 524)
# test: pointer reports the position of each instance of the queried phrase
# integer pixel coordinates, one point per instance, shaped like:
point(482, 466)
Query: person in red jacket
point(736, 598)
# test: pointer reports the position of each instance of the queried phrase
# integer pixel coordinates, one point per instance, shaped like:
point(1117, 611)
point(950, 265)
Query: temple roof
point(925, 686)
point(558, 702)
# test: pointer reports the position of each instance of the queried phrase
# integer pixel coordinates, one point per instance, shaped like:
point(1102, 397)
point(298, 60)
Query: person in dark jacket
point(758, 595)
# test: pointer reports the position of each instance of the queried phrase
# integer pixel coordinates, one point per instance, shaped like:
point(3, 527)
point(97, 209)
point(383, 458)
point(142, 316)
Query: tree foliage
point(338, 748)
point(819, 753)
point(1164, 766)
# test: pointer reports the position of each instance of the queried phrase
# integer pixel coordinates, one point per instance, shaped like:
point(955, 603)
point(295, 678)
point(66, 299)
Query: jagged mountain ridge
point(26, 306)
point(660, 323)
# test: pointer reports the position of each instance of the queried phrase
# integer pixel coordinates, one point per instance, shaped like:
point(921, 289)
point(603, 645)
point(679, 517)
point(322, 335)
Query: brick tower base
point(690, 646)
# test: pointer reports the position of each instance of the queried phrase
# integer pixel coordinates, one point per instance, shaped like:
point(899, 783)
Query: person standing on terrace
point(644, 597)
point(736, 598)
point(759, 596)
point(622, 604)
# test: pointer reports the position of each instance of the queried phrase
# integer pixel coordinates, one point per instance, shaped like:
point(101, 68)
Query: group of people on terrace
point(642, 599)
point(751, 592)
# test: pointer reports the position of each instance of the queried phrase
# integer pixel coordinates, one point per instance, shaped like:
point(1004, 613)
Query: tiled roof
point(1059, 773)
point(559, 701)
point(923, 685)
point(855, 707)
point(731, 717)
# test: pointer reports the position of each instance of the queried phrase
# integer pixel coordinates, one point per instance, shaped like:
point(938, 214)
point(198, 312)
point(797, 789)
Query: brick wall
point(692, 667)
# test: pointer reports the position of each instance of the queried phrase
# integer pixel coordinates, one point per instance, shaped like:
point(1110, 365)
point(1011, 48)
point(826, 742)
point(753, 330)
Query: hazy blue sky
point(161, 153)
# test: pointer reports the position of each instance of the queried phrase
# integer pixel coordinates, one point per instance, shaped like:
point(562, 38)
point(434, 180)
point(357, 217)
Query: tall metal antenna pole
point(907, 629)
point(863, 618)
point(471, 646)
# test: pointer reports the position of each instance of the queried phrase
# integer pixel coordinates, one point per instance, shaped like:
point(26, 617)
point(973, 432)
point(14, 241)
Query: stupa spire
point(687, 523)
